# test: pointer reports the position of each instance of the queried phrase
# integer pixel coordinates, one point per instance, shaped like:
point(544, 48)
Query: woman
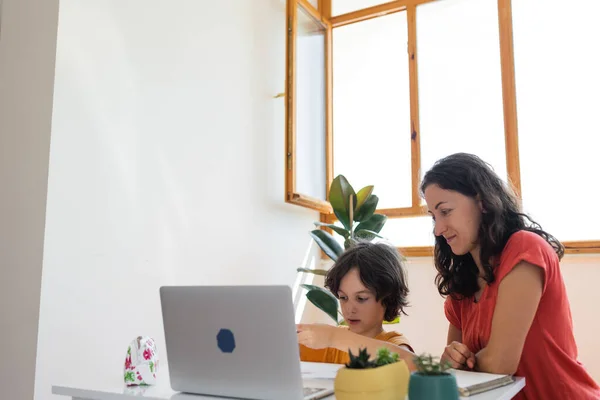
point(507, 303)
point(369, 282)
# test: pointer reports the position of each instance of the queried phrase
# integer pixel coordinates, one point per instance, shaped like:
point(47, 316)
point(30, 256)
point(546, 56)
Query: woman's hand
point(459, 356)
point(316, 336)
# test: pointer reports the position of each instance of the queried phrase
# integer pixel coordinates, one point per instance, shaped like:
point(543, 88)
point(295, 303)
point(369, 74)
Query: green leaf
point(151, 365)
point(323, 299)
point(321, 272)
point(327, 243)
point(374, 224)
point(362, 196)
point(343, 218)
point(368, 208)
point(367, 234)
point(339, 198)
point(385, 357)
point(362, 361)
point(341, 231)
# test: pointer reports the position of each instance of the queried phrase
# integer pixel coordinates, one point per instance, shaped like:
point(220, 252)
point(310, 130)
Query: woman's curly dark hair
point(380, 268)
point(471, 176)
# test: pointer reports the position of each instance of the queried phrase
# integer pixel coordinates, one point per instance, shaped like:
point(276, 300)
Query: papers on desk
point(470, 383)
point(313, 370)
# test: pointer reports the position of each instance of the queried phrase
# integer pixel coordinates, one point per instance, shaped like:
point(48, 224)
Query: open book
point(470, 383)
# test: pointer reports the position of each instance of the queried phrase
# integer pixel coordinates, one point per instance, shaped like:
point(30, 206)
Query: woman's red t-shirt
point(549, 358)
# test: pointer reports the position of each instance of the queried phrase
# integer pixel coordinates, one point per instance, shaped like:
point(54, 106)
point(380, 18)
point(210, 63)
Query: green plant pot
point(432, 387)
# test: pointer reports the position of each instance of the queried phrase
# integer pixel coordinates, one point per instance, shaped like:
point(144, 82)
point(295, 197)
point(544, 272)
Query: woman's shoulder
point(524, 241)
point(525, 236)
point(526, 246)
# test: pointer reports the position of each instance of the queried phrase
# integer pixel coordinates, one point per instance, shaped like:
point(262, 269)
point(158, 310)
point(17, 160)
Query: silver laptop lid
point(235, 341)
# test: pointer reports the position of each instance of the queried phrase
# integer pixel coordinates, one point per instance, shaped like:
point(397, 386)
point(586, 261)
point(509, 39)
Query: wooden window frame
point(330, 22)
point(291, 194)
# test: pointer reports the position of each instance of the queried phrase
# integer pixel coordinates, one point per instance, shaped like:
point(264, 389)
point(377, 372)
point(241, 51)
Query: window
point(460, 82)
point(416, 80)
point(409, 232)
point(371, 107)
point(339, 7)
point(558, 96)
point(310, 107)
point(308, 128)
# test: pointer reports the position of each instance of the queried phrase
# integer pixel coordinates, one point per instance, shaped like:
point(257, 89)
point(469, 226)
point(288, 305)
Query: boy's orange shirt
point(335, 356)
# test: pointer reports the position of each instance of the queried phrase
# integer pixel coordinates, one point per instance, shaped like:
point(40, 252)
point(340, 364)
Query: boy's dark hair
point(380, 268)
point(471, 176)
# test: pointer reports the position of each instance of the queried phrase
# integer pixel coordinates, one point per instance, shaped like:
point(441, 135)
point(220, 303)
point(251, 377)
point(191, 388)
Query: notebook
point(470, 383)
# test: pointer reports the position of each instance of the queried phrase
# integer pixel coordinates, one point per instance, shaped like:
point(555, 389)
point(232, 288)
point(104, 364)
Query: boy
point(369, 281)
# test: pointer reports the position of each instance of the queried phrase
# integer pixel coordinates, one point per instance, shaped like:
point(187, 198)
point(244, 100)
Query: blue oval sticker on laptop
point(226, 341)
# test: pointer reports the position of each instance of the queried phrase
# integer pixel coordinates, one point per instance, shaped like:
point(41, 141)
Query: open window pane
point(558, 86)
point(310, 107)
point(339, 7)
point(371, 107)
point(460, 82)
point(409, 232)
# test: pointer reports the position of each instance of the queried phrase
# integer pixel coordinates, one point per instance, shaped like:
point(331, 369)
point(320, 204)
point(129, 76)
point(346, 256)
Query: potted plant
point(384, 378)
point(432, 380)
point(356, 214)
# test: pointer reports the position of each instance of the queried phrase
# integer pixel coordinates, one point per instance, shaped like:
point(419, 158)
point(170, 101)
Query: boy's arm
point(321, 336)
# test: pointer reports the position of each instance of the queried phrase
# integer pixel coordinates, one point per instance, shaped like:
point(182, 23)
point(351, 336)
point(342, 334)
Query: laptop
point(234, 341)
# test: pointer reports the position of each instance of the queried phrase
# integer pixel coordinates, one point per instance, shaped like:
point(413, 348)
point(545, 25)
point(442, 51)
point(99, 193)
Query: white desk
point(163, 391)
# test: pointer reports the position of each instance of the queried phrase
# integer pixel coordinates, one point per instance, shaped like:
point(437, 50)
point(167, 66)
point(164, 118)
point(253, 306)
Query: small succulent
point(363, 361)
point(428, 365)
point(385, 356)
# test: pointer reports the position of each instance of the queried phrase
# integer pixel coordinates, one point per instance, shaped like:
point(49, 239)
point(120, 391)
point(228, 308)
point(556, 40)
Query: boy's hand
point(316, 336)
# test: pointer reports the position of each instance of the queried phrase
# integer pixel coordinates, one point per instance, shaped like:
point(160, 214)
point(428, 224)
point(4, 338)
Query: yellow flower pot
point(389, 382)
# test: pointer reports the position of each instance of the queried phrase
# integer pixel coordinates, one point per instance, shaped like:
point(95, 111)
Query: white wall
point(166, 167)
point(27, 51)
point(582, 274)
